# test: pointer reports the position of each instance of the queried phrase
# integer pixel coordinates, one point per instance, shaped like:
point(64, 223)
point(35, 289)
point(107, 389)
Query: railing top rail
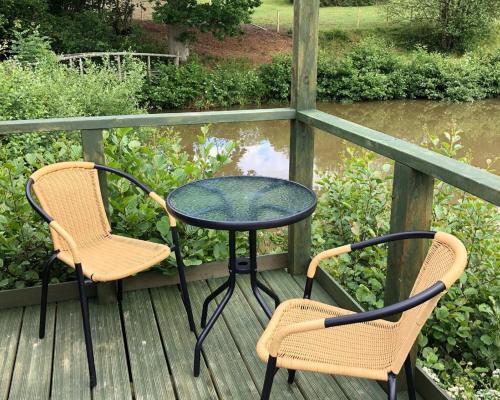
point(117, 53)
point(128, 121)
point(473, 180)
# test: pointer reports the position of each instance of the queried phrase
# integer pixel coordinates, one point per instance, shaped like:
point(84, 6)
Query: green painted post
point(93, 150)
point(411, 210)
point(304, 69)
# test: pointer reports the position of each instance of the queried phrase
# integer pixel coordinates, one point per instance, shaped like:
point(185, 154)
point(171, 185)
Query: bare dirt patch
point(255, 44)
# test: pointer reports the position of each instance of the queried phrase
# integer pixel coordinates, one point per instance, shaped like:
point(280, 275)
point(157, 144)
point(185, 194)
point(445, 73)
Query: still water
point(263, 146)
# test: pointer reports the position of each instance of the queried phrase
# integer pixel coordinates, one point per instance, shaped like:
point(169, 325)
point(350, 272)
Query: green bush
point(194, 85)
point(373, 70)
point(49, 89)
point(459, 344)
point(157, 158)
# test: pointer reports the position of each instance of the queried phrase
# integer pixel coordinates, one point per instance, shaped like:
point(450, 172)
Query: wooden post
point(304, 68)
point(411, 210)
point(80, 62)
point(278, 21)
point(119, 67)
point(149, 67)
point(93, 150)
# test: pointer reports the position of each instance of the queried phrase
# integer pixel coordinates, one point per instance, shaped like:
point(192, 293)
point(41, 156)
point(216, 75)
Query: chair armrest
point(355, 318)
point(75, 253)
point(142, 186)
point(313, 266)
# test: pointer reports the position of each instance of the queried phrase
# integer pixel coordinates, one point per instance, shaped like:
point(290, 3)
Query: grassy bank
point(343, 18)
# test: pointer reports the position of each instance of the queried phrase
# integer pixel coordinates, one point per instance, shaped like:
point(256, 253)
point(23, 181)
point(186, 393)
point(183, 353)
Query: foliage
point(195, 85)
point(459, 344)
point(154, 157)
point(15, 13)
point(29, 47)
point(372, 70)
point(221, 17)
point(447, 24)
point(49, 89)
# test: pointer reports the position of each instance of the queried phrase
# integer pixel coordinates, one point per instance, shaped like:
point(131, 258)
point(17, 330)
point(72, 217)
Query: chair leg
point(182, 278)
point(268, 382)
point(86, 325)
point(409, 379)
point(119, 290)
point(392, 386)
point(45, 290)
point(291, 375)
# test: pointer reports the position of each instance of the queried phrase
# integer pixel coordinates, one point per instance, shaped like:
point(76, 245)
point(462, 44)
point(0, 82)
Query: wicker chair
point(71, 203)
point(312, 336)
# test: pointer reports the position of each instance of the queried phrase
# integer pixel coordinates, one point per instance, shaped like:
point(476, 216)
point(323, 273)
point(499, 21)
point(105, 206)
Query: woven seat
point(312, 336)
point(363, 350)
point(115, 257)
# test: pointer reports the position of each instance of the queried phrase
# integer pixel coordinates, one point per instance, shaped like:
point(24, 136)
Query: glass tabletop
point(241, 202)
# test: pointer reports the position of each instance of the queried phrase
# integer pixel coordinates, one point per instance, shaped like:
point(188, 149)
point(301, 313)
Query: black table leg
point(255, 283)
point(231, 283)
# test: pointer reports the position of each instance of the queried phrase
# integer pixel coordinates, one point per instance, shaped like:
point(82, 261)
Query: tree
point(454, 24)
point(221, 17)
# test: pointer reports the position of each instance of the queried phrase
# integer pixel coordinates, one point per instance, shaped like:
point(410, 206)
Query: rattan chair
point(308, 335)
point(70, 202)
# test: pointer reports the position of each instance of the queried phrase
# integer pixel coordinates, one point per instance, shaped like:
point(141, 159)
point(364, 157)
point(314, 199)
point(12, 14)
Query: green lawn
point(342, 18)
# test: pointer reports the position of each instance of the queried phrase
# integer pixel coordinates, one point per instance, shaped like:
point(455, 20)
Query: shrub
point(49, 89)
point(196, 85)
point(374, 71)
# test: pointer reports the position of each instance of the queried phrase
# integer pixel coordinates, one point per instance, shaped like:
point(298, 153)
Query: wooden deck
point(145, 350)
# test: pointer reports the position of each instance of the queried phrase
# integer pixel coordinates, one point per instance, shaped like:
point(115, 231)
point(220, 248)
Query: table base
point(236, 266)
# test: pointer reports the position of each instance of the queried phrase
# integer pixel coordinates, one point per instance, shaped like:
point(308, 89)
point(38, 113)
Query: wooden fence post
point(411, 210)
point(93, 150)
point(304, 68)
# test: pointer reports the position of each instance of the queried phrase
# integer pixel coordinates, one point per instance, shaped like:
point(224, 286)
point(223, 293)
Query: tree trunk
point(175, 44)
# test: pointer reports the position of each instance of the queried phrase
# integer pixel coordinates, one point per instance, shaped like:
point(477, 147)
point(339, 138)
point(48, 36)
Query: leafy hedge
point(370, 71)
point(50, 89)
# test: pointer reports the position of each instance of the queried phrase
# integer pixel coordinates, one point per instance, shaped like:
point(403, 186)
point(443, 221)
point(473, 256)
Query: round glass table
point(239, 203)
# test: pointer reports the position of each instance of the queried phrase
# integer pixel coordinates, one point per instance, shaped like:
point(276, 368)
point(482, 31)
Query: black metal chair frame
point(119, 284)
point(366, 316)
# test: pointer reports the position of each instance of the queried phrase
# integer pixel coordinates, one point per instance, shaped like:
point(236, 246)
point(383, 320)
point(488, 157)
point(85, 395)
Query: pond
point(263, 146)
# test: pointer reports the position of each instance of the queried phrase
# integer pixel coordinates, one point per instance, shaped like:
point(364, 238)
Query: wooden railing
point(78, 58)
point(414, 172)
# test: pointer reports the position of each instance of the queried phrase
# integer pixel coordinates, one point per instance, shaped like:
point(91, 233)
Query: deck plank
point(70, 378)
point(179, 344)
point(10, 326)
point(147, 360)
point(33, 369)
point(229, 371)
point(246, 330)
point(313, 386)
point(109, 353)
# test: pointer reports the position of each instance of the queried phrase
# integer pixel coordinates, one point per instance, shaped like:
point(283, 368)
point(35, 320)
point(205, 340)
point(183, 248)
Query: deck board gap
point(53, 352)
point(165, 353)
point(15, 356)
point(125, 345)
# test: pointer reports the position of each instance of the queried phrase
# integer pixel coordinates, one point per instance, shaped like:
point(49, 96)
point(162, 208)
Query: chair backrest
point(445, 262)
point(70, 193)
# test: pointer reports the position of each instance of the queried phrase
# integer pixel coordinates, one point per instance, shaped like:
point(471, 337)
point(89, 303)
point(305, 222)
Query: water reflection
point(263, 146)
point(263, 159)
